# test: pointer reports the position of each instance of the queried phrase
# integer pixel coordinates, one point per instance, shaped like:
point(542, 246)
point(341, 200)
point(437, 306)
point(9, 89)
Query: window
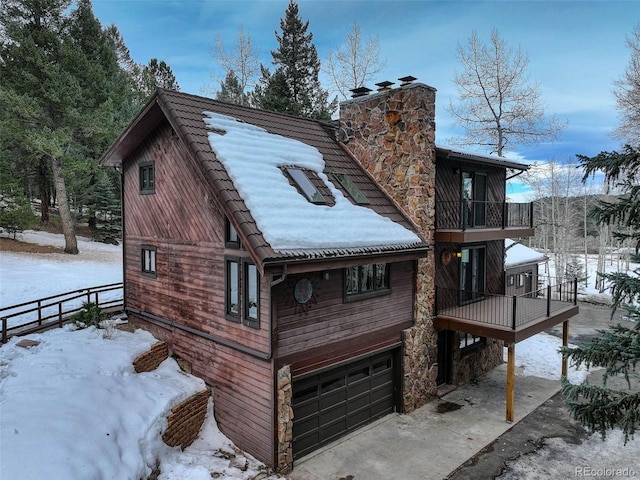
point(242, 297)
point(511, 279)
point(520, 280)
point(469, 342)
point(354, 192)
point(366, 281)
point(147, 178)
point(148, 260)
point(251, 295)
point(304, 185)
point(232, 301)
point(231, 238)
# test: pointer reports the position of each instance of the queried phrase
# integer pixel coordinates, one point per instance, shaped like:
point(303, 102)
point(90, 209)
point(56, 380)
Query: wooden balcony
point(508, 318)
point(473, 221)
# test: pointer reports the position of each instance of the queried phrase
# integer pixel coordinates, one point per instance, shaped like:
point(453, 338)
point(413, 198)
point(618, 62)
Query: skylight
point(305, 185)
point(354, 192)
point(254, 159)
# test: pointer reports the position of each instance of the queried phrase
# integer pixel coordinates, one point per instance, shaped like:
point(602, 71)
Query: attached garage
point(335, 402)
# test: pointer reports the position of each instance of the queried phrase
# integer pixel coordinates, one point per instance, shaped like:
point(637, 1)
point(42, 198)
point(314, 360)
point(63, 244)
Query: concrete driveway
point(459, 435)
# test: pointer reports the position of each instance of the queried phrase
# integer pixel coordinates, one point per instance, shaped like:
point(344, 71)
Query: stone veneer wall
point(468, 368)
point(392, 134)
point(285, 421)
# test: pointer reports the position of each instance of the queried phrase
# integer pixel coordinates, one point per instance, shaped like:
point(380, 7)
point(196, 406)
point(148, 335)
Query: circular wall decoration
point(446, 257)
point(303, 290)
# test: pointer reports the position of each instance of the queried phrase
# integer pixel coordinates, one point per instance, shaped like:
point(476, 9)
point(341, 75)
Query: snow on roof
point(518, 254)
point(253, 157)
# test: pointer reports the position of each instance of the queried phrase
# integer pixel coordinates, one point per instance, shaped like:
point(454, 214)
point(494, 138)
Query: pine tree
point(231, 91)
point(297, 63)
point(617, 349)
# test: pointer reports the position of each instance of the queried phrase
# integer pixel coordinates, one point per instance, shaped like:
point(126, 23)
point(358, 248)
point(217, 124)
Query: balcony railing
point(512, 312)
point(461, 215)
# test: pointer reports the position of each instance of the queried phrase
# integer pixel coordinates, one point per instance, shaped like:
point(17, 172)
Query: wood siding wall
point(449, 180)
point(331, 330)
point(184, 222)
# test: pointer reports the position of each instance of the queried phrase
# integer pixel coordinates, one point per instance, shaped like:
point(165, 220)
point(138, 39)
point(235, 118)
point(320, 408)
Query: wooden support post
point(511, 380)
point(565, 342)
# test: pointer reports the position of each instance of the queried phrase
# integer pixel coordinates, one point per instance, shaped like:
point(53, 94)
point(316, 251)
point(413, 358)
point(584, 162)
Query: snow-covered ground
point(73, 408)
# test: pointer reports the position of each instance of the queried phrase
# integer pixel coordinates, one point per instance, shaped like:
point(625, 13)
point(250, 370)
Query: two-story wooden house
point(313, 274)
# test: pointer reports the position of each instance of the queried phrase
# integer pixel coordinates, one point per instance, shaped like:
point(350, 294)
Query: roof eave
point(470, 157)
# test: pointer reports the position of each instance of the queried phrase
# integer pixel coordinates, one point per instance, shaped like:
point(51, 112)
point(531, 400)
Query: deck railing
point(43, 313)
point(461, 215)
point(511, 311)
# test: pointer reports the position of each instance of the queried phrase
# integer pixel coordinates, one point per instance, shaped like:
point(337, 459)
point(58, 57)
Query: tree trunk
point(68, 229)
point(43, 187)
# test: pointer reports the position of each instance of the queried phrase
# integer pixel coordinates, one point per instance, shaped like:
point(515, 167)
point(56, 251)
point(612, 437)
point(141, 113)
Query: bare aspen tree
point(627, 93)
point(355, 63)
point(498, 105)
point(242, 60)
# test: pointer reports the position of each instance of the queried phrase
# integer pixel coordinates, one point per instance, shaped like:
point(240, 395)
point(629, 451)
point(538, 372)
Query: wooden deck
point(511, 319)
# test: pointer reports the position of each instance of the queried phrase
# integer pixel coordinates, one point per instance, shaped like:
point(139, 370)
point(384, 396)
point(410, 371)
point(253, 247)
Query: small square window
point(148, 260)
point(511, 279)
point(147, 178)
point(520, 280)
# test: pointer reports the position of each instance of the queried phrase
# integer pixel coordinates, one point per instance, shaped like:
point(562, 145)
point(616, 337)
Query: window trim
point(152, 272)
point(229, 242)
point(228, 314)
point(151, 167)
point(375, 291)
point(300, 178)
point(243, 281)
point(246, 318)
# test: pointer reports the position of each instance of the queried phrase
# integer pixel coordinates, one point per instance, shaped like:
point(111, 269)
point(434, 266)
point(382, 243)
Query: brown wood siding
point(448, 276)
point(184, 222)
point(334, 329)
point(449, 180)
point(188, 234)
point(242, 389)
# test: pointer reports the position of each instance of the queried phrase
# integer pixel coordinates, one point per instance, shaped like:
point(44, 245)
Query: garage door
point(335, 402)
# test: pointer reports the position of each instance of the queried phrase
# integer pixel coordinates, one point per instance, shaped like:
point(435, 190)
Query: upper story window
point(231, 238)
point(366, 281)
point(148, 260)
point(147, 177)
point(242, 292)
point(305, 185)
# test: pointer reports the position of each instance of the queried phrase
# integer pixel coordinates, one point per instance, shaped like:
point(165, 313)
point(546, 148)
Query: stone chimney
point(392, 134)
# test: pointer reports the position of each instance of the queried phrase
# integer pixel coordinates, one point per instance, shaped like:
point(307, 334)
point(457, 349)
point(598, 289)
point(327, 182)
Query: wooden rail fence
point(56, 310)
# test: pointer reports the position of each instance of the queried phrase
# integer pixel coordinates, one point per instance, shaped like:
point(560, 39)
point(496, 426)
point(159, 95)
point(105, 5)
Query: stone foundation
point(468, 368)
point(285, 421)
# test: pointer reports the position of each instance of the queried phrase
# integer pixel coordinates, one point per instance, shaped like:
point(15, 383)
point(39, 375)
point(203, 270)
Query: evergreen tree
point(231, 91)
point(157, 74)
point(617, 349)
point(297, 63)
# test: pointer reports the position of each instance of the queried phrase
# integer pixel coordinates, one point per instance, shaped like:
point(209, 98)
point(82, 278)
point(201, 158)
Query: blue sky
point(576, 48)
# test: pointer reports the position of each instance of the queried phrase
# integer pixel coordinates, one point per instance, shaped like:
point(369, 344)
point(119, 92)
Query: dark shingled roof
point(185, 114)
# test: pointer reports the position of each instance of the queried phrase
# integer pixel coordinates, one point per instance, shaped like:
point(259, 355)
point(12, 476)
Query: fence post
point(465, 215)
point(4, 329)
point(60, 314)
point(575, 290)
point(39, 312)
point(548, 300)
point(515, 307)
point(88, 295)
point(531, 215)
